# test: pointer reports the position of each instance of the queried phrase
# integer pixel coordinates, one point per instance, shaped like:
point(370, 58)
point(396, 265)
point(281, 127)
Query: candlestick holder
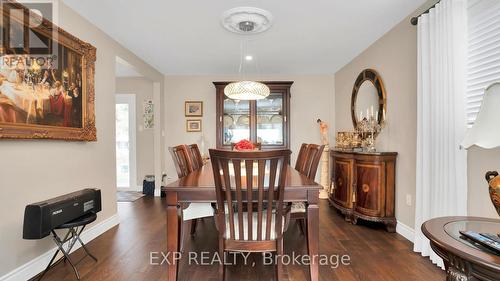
point(369, 128)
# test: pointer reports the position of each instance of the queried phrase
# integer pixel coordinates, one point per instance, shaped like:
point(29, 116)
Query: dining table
point(199, 186)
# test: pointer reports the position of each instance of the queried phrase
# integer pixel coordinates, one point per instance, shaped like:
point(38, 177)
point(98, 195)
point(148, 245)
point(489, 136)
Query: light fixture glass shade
point(246, 90)
point(485, 132)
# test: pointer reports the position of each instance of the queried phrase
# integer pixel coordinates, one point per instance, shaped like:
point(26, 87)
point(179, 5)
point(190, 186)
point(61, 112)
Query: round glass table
point(464, 259)
point(453, 229)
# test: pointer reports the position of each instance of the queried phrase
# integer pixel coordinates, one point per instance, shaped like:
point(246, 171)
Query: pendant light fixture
point(247, 90)
point(246, 20)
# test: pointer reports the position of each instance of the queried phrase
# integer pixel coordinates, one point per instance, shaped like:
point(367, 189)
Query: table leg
point(313, 233)
point(172, 235)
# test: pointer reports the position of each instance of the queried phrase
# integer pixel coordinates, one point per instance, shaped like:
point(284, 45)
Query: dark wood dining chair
point(307, 164)
point(195, 154)
point(312, 157)
point(245, 180)
point(301, 158)
point(183, 161)
point(258, 145)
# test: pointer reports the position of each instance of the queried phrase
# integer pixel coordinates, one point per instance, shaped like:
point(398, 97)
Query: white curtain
point(441, 188)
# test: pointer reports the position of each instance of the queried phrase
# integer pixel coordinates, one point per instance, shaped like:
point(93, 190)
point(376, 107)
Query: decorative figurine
point(323, 130)
point(325, 160)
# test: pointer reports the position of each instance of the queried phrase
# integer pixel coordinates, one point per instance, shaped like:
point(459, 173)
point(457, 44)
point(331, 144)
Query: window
point(126, 166)
point(484, 52)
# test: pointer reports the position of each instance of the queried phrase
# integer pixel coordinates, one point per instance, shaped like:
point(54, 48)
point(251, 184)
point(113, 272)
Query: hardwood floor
point(124, 251)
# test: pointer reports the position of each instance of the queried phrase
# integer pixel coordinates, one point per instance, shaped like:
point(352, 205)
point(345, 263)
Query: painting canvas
point(193, 125)
point(148, 115)
point(46, 80)
point(44, 94)
point(193, 109)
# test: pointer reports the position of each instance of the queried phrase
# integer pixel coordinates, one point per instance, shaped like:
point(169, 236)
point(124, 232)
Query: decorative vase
point(493, 180)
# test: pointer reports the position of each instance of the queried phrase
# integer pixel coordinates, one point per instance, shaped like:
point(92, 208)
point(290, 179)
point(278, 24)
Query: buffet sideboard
point(363, 186)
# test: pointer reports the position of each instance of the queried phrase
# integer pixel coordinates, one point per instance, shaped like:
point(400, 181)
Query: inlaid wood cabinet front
point(342, 181)
point(368, 193)
point(364, 186)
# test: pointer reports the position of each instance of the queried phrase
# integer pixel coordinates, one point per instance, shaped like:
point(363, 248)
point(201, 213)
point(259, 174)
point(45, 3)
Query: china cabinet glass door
point(264, 121)
point(270, 120)
point(236, 120)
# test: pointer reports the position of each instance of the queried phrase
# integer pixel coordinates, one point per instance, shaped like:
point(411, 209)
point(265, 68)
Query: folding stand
point(72, 236)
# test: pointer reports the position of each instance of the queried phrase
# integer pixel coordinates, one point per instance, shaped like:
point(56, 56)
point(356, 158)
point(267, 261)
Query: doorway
point(126, 166)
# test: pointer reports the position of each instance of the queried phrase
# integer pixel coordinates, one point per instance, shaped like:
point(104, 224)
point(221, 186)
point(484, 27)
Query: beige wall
point(143, 90)
point(32, 171)
point(312, 97)
point(394, 56)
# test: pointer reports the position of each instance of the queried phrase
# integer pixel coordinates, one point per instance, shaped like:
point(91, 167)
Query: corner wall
point(394, 57)
point(36, 170)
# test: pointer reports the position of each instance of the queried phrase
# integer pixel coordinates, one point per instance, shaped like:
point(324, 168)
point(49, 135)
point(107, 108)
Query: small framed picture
point(193, 108)
point(193, 125)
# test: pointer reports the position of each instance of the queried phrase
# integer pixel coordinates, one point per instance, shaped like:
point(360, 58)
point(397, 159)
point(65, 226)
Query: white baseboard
point(406, 231)
point(38, 264)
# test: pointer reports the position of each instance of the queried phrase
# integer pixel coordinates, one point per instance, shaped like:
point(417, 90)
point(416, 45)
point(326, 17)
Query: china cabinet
point(265, 121)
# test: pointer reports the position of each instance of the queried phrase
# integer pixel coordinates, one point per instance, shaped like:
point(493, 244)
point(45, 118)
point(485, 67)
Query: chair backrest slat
point(219, 193)
point(249, 199)
point(257, 187)
point(229, 199)
point(260, 200)
point(272, 176)
point(239, 195)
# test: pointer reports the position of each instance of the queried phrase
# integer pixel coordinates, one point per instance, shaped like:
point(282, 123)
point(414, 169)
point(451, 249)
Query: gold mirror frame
point(372, 76)
point(88, 52)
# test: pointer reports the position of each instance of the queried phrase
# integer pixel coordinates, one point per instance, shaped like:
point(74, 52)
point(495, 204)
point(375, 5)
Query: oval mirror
point(368, 97)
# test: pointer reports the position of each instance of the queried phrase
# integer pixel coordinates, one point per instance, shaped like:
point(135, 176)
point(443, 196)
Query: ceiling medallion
point(246, 20)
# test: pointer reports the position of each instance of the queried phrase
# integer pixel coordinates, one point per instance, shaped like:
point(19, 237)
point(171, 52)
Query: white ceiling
point(186, 37)
point(124, 69)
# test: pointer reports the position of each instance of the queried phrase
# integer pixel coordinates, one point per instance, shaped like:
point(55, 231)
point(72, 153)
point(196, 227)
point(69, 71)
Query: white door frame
point(130, 100)
point(158, 155)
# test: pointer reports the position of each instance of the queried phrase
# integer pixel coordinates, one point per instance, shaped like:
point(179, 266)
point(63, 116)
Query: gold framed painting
point(193, 109)
point(46, 79)
point(193, 125)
